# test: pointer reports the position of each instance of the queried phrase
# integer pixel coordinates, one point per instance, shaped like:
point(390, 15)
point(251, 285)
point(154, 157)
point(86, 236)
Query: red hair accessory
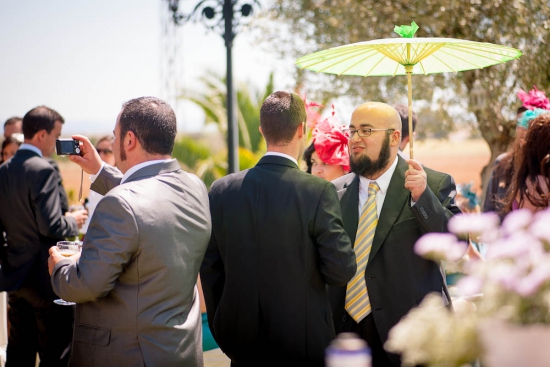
point(331, 143)
point(534, 99)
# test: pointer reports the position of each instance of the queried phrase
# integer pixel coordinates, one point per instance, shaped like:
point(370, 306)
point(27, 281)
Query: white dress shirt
point(283, 155)
point(383, 183)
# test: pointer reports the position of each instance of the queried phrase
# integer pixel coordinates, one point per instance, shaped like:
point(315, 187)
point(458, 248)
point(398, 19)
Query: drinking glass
point(68, 249)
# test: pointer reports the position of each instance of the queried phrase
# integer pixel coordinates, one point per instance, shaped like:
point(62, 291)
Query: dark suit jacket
point(277, 240)
point(32, 218)
point(397, 279)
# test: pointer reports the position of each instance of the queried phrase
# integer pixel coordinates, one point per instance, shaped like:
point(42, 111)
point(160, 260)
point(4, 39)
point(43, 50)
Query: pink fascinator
point(331, 143)
point(312, 110)
point(534, 99)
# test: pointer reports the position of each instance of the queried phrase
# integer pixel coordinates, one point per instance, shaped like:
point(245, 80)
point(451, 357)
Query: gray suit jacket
point(135, 280)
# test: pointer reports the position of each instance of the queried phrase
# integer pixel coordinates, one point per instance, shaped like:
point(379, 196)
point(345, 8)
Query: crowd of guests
point(287, 260)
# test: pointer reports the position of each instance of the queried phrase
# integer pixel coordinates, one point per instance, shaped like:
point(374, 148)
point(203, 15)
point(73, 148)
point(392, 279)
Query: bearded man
point(387, 203)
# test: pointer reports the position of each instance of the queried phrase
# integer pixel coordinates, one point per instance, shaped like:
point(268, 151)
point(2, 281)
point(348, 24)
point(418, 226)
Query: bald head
point(378, 114)
point(374, 145)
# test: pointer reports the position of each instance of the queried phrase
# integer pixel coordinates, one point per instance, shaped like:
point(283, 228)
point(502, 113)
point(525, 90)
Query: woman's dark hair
point(9, 140)
point(531, 161)
point(307, 156)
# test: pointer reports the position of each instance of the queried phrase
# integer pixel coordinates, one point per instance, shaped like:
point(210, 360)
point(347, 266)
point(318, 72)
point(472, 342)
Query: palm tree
point(249, 102)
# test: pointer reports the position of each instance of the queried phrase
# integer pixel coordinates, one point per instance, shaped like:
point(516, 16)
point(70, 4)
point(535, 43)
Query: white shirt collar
point(140, 166)
point(382, 181)
point(284, 156)
point(32, 148)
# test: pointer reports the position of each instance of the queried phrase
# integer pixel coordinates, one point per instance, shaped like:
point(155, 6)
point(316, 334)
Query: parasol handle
point(408, 69)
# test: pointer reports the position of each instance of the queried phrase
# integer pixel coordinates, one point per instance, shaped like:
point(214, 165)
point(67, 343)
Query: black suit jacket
point(277, 240)
point(397, 279)
point(32, 218)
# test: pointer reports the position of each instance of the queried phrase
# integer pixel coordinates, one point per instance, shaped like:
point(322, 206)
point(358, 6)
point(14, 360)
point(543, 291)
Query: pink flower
point(513, 247)
point(469, 286)
point(506, 275)
point(440, 246)
point(474, 224)
point(541, 226)
point(530, 284)
point(517, 220)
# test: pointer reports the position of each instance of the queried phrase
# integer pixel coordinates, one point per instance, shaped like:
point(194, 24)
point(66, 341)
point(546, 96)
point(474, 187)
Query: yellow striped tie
point(357, 297)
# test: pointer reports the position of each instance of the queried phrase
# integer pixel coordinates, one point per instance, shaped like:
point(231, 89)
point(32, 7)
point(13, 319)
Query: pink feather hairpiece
point(331, 142)
point(534, 99)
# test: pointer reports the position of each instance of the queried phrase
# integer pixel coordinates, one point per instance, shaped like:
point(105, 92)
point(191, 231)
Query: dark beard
point(365, 166)
point(122, 151)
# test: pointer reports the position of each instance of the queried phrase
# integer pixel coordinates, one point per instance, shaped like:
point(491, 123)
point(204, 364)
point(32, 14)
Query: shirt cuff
point(94, 177)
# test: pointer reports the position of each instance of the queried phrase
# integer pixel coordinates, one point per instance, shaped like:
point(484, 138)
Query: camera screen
point(67, 146)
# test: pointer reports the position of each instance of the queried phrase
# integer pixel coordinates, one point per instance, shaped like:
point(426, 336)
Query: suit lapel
point(350, 208)
point(396, 198)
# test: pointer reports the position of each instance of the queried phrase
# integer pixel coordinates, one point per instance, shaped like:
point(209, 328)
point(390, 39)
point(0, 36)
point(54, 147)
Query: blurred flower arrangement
point(512, 287)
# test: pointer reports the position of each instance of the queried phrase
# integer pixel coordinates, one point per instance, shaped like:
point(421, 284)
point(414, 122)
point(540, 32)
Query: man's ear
point(130, 140)
point(301, 130)
point(395, 138)
point(41, 135)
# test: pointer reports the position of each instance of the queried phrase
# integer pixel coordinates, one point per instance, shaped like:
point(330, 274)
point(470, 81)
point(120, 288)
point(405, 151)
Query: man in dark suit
point(32, 218)
point(407, 201)
point(277, 240)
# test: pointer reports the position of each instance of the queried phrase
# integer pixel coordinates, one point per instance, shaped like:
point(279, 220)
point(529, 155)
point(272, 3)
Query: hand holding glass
point(68, 249)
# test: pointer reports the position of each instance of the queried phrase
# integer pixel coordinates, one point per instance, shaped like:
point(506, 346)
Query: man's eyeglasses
point(104, 151)
point(363, 132)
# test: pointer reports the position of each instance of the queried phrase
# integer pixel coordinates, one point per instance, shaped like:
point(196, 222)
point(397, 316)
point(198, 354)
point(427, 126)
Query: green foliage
point(249, 101)
point(188, 151)
point(196, 157)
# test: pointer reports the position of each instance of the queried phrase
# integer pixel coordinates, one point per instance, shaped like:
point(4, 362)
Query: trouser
point(37, 325)
point(366, 329)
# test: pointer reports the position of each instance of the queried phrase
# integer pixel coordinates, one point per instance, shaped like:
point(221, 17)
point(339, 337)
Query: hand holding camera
point(86, 156)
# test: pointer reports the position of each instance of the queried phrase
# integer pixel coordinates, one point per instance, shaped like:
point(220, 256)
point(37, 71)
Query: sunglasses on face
point(104, 151)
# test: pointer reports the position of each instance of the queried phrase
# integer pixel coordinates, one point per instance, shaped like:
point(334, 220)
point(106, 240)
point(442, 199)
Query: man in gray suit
point(134, 282)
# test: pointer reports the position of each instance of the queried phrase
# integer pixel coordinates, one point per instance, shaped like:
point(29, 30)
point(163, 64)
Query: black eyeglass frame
point(351, 132)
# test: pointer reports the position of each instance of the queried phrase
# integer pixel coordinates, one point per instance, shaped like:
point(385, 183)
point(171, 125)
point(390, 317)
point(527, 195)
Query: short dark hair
point(307, 156)
point(280, 115)
point(404, 114)
point(152, 121)
point(12, 121)
point(40, 118)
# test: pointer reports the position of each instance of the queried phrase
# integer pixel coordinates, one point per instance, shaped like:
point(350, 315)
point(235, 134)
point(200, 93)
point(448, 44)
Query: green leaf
point(406, 31)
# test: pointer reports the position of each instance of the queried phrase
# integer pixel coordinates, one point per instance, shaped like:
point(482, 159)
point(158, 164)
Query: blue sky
point(85, 58)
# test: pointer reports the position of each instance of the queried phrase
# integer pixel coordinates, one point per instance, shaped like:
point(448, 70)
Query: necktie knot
point(373, 188)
